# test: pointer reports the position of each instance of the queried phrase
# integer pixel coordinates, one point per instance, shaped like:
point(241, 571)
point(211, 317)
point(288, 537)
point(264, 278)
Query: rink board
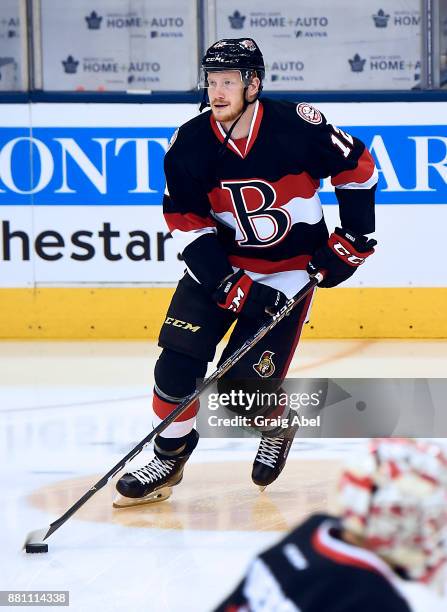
point(84, 250)
point(133, 313)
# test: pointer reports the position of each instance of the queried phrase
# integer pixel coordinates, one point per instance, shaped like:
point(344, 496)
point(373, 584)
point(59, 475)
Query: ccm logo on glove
point(346, 250)
point(340, 257)
point(236, 301)
point(235, 291)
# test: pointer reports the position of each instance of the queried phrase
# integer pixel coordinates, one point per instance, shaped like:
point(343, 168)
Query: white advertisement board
point(85, 208)
point(110, 45)
point(323, 45)
point(10, 46)
point(443, 43)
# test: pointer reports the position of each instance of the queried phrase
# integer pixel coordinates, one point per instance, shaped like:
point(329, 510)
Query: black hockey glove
point(340, 257)
point(240, 294)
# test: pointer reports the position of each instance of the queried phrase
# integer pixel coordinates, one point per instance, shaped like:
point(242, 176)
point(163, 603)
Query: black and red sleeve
point(343, 157)
point(187, 212)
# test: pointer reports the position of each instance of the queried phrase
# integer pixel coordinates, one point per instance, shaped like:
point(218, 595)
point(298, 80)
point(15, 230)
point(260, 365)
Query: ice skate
point(154, 482)
point(271, 456)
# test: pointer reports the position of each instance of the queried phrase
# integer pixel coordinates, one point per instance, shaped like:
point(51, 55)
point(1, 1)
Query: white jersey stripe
point(300, 210)
point(354, 552)
point(183, 239)
point(365, 185)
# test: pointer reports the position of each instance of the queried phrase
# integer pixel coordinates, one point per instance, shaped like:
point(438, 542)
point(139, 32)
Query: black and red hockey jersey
point(254, 203)
point(312, 570)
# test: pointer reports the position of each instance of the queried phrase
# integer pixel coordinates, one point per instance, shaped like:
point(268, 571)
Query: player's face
point(226, 95)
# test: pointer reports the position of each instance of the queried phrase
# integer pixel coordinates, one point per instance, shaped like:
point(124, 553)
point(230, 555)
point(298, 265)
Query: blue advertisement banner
point(124, 166)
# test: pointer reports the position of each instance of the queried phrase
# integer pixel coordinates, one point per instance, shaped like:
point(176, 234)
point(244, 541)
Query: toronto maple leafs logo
point(357, 63)
point(93, 21)
point(70, 65)
point(381, 19)
point(236, 20)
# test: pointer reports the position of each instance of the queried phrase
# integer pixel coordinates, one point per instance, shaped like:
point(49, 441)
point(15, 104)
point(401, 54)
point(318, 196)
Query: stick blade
point(36, 537)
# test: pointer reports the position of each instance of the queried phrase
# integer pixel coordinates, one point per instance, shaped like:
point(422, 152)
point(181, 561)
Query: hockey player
point(390, 536)
point(241, 200)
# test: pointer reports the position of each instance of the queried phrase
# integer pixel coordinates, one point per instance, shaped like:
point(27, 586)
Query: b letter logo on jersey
point(309, 113)
point(264, 226)
point(265, 366)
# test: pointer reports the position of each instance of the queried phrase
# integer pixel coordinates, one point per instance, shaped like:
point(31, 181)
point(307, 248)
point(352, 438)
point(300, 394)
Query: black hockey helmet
point(241, 54)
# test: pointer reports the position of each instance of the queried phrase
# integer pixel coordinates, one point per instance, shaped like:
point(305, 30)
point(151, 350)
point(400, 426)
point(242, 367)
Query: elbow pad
point(207, 260)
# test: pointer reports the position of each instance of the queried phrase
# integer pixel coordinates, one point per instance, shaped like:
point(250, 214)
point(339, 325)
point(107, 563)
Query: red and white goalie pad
point(395, 498)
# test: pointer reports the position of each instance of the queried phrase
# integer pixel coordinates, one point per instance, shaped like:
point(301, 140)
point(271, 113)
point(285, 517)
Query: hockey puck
point(36, 548)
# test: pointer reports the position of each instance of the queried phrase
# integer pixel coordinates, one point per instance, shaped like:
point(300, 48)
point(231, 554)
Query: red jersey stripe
point(300, 185)
point(299, 328)
point(254, 128)
point(187, 222)
point(253, 134)
point(241, 144)
point(363, 172)
point(342, 557)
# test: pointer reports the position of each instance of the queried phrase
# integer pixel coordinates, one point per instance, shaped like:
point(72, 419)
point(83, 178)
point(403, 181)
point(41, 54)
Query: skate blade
point(262, 488)
point(120, 501)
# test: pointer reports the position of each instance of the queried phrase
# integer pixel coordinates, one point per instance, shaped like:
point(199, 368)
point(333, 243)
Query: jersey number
point(345, 148)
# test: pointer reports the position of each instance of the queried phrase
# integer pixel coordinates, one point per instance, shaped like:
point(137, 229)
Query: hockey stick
point(36, 538)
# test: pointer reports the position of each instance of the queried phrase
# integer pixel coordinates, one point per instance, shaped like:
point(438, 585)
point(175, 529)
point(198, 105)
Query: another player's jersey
point(311, 570)
point(260, 194)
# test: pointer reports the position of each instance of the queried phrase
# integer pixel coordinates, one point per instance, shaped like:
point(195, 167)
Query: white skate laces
point(269, 450)
point(154, 470)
